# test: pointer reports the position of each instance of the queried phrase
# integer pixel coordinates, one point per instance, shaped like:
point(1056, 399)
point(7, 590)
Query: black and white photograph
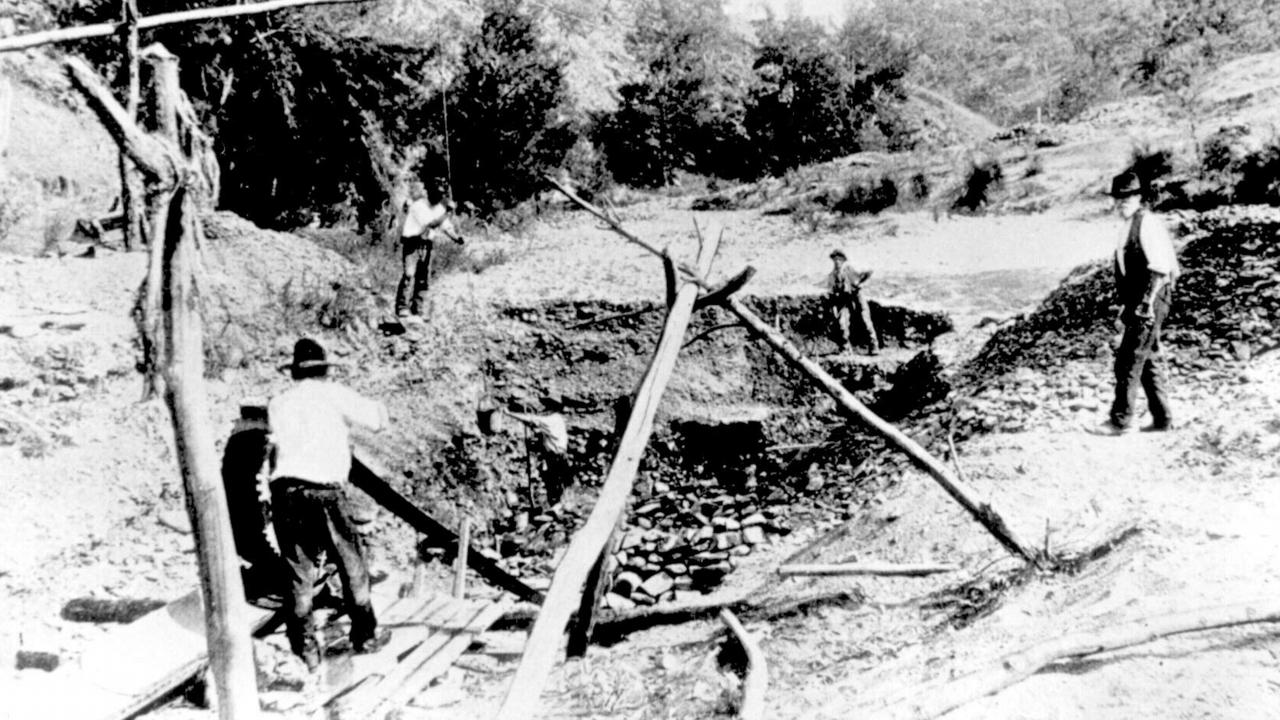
point(639, 359)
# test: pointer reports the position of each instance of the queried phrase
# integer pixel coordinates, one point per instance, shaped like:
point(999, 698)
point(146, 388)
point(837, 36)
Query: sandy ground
point(96, 517)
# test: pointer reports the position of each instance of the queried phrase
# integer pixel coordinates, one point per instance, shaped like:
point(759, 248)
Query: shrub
point(867, 196)
point(1259, 180)
point(983, 180)
point(508, 120)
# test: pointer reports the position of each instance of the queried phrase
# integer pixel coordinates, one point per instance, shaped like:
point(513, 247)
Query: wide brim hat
point(1125, 185)
point(308, 353)
point(838, 253)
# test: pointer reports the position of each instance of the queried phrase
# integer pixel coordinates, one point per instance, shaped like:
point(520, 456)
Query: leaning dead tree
point(981, 510)
point(585, 548)
point(177, 178)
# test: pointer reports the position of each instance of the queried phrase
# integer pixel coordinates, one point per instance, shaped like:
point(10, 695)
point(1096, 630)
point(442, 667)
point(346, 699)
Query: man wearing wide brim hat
point(311, 496)
point(844, 297)
point(1146, 267)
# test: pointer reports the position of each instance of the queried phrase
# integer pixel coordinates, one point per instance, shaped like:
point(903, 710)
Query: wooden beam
point(879, 569)
point(226, 619)
point(366, 475)
point(86, 32)
point(131, 192)
point(756, 681)
point(566, 585)
point(978, 508)
point(460, 563)
point(923, 703)
point(151, 156)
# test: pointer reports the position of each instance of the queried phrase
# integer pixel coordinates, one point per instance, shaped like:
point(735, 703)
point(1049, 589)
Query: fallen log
point(939, 698)
point(881, 569)
point(614, 625)
point(756, 681)
point(523, 696)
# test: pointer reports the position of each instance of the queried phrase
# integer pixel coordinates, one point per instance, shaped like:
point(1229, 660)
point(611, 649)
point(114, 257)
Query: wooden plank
point(438, 661)
point(128, 669)
point(523, 696)
point(367, 475)
point(868, 568)
point(346, 673)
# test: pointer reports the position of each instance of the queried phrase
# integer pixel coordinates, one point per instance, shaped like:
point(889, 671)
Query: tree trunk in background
point(131, 192)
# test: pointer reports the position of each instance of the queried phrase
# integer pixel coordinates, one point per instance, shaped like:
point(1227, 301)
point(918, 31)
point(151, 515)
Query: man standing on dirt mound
point(426, 220)
point(844, 295)
point(311, 496)
point(1146, 268)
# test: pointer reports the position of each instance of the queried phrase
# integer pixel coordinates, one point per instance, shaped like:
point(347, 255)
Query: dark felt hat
point(838, 253)
point(1124, 185)
point(307, 353)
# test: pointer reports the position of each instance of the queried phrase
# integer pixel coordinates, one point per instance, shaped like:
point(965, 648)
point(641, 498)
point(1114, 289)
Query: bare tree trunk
point(131, 192)
point(226, 619)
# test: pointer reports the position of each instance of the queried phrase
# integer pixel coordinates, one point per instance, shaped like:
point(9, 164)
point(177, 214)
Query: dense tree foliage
point(319, 112)
point(510, 122)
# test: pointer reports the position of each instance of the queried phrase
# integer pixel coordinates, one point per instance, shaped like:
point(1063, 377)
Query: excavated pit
point(744, 446)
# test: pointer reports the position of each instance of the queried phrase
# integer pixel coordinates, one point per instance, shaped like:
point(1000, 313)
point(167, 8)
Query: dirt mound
point(1058, 358)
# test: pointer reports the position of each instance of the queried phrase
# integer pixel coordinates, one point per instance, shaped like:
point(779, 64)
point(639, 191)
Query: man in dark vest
point(1146, 268)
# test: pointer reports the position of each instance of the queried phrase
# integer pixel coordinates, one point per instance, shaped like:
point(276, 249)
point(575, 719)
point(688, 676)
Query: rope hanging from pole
point(448, 160)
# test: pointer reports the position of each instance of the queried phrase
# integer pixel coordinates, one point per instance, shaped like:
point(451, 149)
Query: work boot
point(1109, 428)
point(372, 645)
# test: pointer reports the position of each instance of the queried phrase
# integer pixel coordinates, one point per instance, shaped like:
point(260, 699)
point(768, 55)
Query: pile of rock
point(685, 541)
point(1055, 365)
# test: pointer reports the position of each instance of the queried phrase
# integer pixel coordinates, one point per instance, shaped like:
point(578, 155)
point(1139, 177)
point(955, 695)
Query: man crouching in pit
point(311, 497)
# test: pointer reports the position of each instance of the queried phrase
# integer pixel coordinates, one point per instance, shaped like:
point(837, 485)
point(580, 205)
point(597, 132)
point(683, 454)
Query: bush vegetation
point(317, 116)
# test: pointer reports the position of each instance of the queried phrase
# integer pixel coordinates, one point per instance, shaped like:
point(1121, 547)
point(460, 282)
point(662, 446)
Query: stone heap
point(1054, 366)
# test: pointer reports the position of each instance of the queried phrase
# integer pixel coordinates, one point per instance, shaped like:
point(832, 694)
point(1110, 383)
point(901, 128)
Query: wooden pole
point(584, 622)
point(85, 32)
point(526, 688)
point(756, 681)
point(226, 617)
point(460, 563)
point(922, 703)
point(131, 194)
point(880, 569)
point(180, 334)
point(981, 511)
point(366, 474)
point(162, 99)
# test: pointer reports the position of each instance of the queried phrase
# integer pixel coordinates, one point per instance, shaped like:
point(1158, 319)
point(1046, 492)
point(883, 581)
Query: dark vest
point(1132, 284)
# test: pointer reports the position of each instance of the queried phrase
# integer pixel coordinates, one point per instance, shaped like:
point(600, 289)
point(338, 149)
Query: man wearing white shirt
point(310, 496)
point(426, 220)
point(1146, 268)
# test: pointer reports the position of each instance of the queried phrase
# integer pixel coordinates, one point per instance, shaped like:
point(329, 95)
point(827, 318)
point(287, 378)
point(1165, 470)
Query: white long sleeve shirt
point(310, 428)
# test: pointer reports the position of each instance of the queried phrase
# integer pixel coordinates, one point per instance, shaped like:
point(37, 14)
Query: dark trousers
point(312, 520)
point(1138, 363)
point(845, 309)
point(415, 276)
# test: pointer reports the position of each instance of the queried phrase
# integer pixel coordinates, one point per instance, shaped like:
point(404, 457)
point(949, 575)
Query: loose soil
point(91, 504)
